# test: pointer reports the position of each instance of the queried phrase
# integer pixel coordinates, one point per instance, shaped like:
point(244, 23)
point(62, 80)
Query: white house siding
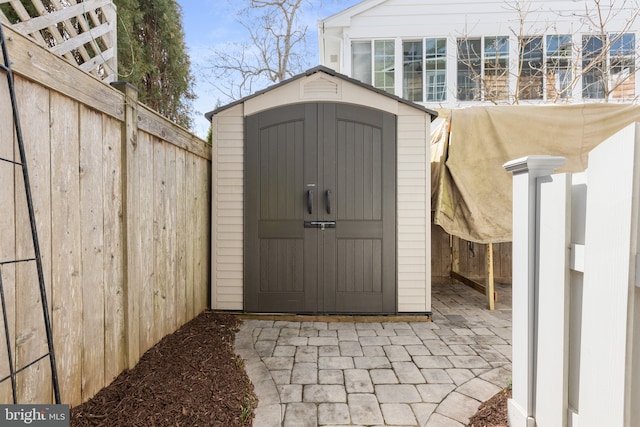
point(227, 207)
point(414, 20)
point(414, 187)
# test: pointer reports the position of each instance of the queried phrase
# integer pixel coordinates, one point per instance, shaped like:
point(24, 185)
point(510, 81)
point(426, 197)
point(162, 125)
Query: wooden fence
point(576, 289)
point(122, 205)
point(476, 265)
point(452, 253)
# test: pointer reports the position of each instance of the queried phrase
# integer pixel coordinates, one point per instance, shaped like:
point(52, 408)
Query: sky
point(209, 24)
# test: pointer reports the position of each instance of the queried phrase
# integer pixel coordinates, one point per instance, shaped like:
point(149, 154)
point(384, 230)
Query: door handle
point(328, 201)
point(310, 201)
point(322, 225)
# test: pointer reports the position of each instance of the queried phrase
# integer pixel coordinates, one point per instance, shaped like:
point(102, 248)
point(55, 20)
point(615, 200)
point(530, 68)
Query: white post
point(525, 171)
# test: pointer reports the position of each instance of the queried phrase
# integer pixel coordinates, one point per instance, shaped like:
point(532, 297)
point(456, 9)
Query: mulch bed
point(493, 412)
point(190, 378)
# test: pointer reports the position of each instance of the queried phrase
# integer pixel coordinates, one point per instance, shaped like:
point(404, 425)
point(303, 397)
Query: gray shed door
point(320, 205)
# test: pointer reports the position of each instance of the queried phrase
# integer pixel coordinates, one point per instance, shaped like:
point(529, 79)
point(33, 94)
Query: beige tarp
point(471, 191)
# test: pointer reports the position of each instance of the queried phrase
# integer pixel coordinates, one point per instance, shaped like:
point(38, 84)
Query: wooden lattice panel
point(83, 31)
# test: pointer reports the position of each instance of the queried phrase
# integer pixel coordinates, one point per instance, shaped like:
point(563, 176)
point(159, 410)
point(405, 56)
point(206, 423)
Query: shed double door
point(320, 205)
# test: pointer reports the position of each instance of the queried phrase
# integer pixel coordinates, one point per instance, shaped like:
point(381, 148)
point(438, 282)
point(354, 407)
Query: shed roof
point(330, 72)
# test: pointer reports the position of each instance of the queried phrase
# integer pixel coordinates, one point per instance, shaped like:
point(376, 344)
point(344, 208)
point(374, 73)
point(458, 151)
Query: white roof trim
point(343, 19)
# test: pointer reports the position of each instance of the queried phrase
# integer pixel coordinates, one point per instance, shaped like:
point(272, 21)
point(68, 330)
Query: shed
point(321, 200)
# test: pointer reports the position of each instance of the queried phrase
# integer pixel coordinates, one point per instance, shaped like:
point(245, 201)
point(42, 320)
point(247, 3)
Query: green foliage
point(152, 56)
point(210, 135)
point(247, 409)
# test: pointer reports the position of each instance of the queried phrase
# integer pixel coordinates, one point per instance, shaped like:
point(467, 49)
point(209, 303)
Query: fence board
point(181, 238)
point(553, 294)
point(607, 280)
point(53, 71)
point(159, 239)
point(34, 385)
point(66, 245)
point(191, 230)
point(7, 234)
point(114, 274)
point(170, 236)
point(147, 252)
point(92, 232)
point(203, 237)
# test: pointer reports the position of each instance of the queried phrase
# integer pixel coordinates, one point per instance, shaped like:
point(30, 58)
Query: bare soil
point(190, 378)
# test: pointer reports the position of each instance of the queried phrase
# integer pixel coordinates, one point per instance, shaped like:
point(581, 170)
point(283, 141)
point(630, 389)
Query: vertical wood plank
point(91, 229)
point(190, 243)
point(66, 245)
point(159, 238)
point(7, 236)
point(116, 352)
point(170, 227)
point(181, 239)
point(455, 254)
point(124, 180)
point(203, 233)
point(35, 384)
point(146, 250)
point(489, 287)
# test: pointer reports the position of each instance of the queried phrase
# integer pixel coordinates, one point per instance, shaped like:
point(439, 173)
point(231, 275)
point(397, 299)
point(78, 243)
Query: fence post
point(525, 172)
point(130, 196)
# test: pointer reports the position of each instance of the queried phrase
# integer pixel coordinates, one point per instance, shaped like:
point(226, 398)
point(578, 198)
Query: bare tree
point(604, 62)
point(274, 50)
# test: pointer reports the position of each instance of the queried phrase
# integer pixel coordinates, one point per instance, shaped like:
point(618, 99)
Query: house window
point(361, 61)
point(558, 66)
point(611, 76)
point(384, 65)
point(622, 63)
point(483, 68)
point(436, 69)
point(412, 70)
point(372, 62)
point(496, 68)
point(469, 69)
point(530, 83)
point(593, 67)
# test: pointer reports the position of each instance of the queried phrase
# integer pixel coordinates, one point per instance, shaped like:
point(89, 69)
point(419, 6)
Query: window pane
point(530, 82)
point(622, 60)
point(361, 61)
point(558, 66)
point(496, 68)
point(469, 69)
point(412, 71)
point(384, 65)
point(436, 69)
point(593, 67)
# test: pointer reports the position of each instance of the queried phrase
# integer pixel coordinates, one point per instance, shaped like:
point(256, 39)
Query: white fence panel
point(609, 275)
point(575, 255)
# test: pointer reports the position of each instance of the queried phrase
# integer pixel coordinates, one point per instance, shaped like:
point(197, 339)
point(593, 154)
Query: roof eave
point(330, 72)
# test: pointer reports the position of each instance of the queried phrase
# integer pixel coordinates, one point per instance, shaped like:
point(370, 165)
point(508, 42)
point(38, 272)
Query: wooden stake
point(490, 282)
